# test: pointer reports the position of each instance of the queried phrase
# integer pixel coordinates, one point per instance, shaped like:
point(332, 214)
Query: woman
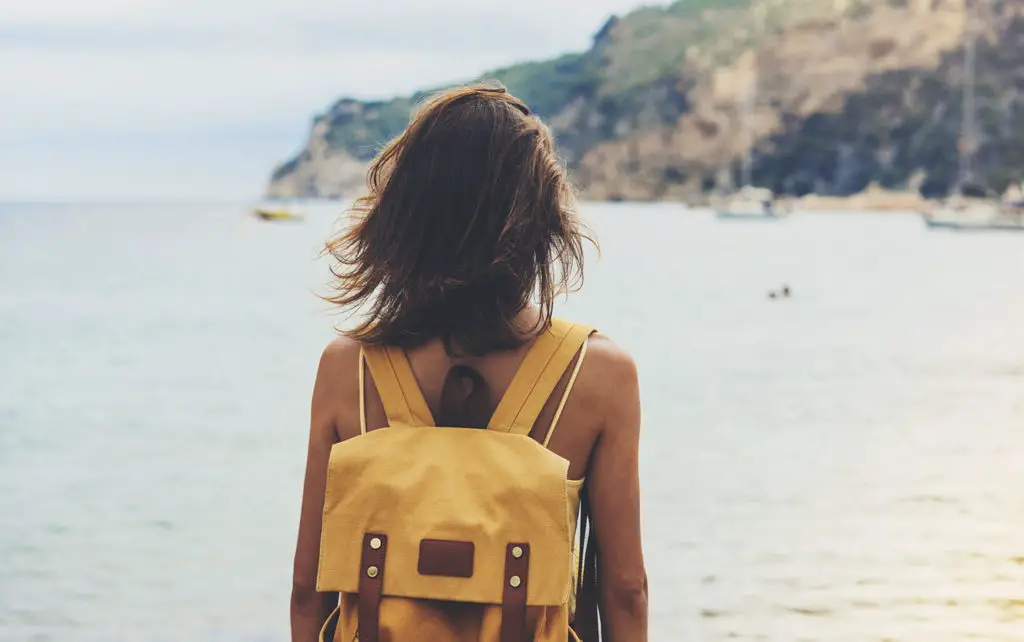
point(457, 253)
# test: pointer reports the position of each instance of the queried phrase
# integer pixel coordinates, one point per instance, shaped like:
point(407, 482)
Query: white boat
point(750, 202)
point(976, 215)
point(977, 211)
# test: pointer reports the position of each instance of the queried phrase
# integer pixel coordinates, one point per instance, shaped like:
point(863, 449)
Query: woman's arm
point(309, 609)
point(614, 488)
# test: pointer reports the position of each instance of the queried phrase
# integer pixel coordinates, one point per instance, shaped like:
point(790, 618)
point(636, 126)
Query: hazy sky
point(200, 98)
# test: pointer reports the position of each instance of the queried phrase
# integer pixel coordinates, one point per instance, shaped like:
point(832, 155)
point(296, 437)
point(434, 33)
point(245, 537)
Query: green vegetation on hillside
point(548, 86)
point(361, 128)
point(631, 55)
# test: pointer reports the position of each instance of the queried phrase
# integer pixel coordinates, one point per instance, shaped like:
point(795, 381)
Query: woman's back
point(456, 258)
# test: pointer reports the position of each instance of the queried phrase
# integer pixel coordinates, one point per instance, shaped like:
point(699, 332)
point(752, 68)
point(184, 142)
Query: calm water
point(844, 465)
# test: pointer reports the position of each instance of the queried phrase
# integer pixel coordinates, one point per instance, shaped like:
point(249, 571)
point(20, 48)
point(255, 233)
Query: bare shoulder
point(339, 366)
point(611, 361)
point(608, 377)
point(336, 390)
point(342, 350)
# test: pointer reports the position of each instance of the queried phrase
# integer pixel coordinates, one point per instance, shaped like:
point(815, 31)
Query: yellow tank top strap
point(537, 377)
point(568, 391)
point(396, 384)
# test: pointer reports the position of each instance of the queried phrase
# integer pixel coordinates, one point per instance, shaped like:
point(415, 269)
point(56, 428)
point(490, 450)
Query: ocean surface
point(843, 465)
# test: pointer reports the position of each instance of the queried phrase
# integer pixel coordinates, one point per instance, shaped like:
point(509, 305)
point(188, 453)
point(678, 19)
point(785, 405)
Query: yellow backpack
point(457, 534)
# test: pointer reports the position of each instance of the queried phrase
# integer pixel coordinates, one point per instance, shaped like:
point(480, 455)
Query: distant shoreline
point(866, 202)
point(870, 200)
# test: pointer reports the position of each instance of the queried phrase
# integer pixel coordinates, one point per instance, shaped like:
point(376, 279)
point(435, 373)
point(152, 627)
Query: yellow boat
point(266, 214)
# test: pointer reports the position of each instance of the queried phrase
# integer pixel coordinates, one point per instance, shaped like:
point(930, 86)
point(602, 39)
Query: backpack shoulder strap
point(537, 377)
point(588, 611)
point(403, 401)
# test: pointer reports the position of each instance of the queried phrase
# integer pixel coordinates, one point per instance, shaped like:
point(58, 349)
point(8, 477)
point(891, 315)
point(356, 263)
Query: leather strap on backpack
point(371, 583)
point(513, 599)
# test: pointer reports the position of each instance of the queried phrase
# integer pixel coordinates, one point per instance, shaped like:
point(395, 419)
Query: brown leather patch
point(513, 599)
point(446, 558)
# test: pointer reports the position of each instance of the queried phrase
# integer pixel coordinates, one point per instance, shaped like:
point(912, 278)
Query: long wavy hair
point(469, 219)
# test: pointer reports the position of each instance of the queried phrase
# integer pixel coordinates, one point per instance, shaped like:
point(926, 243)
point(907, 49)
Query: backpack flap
point(453, 514)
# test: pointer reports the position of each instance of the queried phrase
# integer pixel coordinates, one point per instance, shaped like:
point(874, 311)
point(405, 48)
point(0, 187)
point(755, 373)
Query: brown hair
point(469, 215)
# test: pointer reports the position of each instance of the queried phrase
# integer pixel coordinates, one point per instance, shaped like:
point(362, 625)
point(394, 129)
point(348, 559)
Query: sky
point(199, 99)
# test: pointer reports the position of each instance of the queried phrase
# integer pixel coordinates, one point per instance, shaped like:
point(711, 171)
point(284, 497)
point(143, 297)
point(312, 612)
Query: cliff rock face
point(321, 170)
point(850, 93)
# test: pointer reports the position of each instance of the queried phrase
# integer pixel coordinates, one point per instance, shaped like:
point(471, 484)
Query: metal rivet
point(517, 552)
point(375, 543)
point(514, 581)
point(372, 571)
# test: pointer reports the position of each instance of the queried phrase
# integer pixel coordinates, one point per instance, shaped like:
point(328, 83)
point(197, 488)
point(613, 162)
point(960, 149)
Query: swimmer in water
point(784, 293)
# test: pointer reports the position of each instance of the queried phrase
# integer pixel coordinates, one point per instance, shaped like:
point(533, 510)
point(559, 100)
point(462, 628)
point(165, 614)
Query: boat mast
point(750, 101)
point(748, 138)
point(969, 126)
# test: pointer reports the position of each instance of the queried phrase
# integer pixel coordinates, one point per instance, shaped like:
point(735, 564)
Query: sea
point(842, 465)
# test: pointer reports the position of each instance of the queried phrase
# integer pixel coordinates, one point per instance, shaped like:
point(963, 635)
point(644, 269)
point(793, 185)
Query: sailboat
point(749, 202)
point(972, 206)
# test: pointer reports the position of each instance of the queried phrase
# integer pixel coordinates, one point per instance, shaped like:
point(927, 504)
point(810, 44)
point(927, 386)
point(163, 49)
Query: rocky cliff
point(850, 93)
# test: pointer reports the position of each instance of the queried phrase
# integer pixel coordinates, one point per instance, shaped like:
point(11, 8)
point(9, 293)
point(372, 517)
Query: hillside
point(851, 92)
